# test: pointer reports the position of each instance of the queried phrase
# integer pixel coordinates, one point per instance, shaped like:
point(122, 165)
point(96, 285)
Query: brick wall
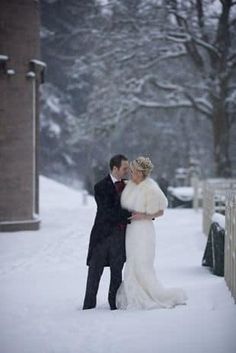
point(19, 40)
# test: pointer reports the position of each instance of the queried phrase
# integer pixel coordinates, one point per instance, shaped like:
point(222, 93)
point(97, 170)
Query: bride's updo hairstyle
point(143, 164)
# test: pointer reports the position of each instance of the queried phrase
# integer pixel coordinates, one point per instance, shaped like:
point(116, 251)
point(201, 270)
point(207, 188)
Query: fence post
point(195, 185)
point(230, 245)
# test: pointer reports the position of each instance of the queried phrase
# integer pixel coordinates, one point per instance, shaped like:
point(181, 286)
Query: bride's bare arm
point(138, 215)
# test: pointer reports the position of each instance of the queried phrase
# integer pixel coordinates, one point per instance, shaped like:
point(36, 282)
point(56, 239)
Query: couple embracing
point(124, 231)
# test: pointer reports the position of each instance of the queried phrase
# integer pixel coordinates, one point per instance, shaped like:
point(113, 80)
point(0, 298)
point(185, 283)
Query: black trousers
point(110, 250)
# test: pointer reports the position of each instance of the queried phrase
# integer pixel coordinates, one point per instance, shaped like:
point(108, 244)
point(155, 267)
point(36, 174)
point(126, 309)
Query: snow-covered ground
point(43, 278)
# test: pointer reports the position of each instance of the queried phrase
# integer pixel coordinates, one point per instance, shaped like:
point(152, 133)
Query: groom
point(107, 239)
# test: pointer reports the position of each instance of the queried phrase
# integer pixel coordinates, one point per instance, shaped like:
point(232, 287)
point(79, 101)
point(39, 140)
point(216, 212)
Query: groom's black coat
point(109, 215)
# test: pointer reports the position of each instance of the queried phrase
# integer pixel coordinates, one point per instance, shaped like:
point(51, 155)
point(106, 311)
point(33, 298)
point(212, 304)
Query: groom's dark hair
point(116, 160)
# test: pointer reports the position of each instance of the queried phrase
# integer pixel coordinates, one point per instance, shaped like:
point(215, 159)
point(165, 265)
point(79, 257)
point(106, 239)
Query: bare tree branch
point(189, 44)
point(197, 102)
point(191, 103)
point(152, 79)
point(187, 37)
point(200, 13)
point(232, 58)
point(207, 46)
point(169, 55)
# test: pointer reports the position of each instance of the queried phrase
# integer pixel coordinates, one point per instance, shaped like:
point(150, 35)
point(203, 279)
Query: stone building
point(21, 73)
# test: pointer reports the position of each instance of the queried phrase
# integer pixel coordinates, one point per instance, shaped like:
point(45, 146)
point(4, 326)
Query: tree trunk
point(220, 119)
point(217, 73)
point(221, 137)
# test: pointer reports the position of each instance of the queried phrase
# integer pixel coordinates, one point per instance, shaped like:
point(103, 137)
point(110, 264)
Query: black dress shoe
point(88, 307)
point(113, 308)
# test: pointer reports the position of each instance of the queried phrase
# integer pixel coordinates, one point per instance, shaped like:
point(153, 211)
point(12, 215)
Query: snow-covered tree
point(141, 77)
point(206, 29)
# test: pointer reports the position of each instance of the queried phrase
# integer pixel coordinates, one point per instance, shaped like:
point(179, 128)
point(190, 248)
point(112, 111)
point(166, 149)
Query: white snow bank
point(183, 193)
point(219, 218)
point(43, 278)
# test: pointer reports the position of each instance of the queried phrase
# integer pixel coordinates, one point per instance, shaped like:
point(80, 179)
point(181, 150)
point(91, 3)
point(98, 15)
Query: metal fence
point(230, 245)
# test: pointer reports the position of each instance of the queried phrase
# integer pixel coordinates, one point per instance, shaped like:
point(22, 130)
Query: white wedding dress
point(140, 288)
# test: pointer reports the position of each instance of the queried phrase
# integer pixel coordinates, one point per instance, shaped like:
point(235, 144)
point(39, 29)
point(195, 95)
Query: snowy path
point(43, 278)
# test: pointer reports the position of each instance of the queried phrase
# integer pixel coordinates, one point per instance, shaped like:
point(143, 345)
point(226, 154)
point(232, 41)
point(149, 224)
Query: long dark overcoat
point(109, 214)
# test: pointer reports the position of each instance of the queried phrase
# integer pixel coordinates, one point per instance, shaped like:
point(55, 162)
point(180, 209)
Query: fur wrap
point(144, 197)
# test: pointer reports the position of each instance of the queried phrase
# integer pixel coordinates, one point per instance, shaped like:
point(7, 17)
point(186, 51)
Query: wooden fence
point(230, 245)
point(214, 193)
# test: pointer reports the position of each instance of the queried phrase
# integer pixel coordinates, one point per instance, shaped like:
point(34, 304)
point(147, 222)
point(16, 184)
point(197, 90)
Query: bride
point(140, 288)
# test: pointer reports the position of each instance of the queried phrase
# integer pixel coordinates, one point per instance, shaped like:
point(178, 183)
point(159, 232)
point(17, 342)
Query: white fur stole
point(144, 197)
